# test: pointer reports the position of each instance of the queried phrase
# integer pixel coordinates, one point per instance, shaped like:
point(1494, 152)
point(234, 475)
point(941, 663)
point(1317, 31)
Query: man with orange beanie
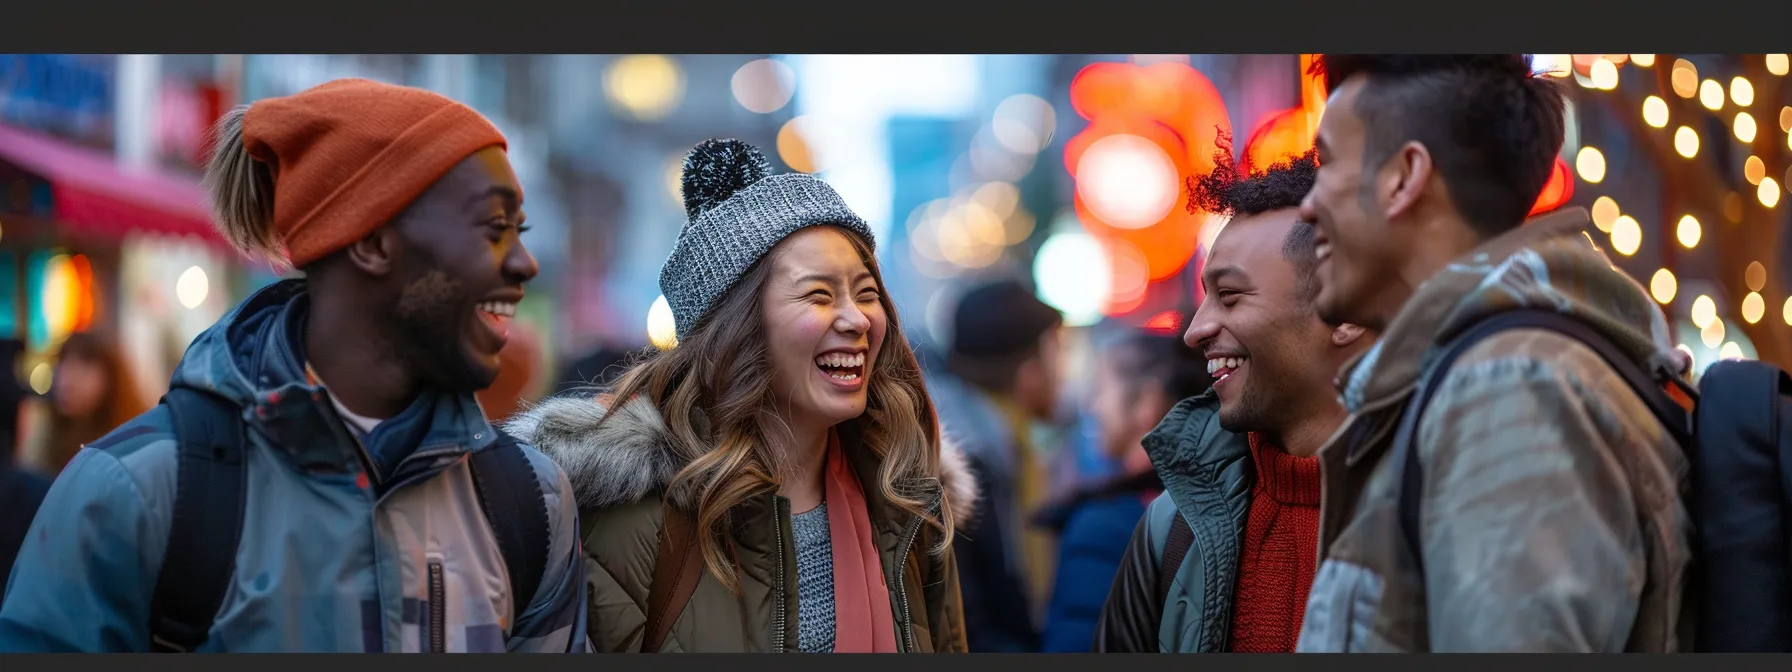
point(320, 477)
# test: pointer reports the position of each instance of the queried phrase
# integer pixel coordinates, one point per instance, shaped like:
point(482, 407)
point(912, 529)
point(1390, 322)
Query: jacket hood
point(254, 347)
point(1548, 263)
point(634, 454)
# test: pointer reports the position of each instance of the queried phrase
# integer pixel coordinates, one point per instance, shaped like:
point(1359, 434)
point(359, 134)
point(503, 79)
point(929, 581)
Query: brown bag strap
point(676, 571)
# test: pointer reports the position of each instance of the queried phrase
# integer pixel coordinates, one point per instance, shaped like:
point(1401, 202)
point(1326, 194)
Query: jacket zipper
point(778, 577)
point(908, 622)
point(438, 611)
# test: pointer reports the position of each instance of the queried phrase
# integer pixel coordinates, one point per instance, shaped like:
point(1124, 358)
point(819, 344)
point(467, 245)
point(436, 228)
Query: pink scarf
point(863, 622)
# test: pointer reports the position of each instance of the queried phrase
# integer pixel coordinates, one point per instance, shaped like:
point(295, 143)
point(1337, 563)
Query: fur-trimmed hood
point(631, 456)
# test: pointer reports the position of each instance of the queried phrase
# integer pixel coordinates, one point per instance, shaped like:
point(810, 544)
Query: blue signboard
point(69, 95)
point(922, 150)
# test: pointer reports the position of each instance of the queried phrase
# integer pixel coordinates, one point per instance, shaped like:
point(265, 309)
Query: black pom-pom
point(716, 169)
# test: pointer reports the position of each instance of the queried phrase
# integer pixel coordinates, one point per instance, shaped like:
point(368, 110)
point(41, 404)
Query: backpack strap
point(1649, 387)
point(1176, 547)
point(677, 569)
point(516, 509)
point(207, 520)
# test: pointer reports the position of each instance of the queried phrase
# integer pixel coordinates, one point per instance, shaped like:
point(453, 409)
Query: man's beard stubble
point(1250, 414)
point(428, 327)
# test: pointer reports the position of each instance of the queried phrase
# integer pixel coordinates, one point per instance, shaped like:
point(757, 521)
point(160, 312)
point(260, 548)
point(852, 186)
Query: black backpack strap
point(510, 493)
point(1647, 386)
point(207, 521)
point(1175, 551)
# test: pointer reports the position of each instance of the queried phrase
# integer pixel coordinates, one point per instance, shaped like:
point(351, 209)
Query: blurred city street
point(1064, 171)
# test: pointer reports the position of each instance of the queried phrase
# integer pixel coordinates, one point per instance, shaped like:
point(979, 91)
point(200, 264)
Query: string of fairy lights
point(1735, 104)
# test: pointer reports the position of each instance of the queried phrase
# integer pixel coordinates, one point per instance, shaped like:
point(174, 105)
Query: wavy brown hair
point(714, 391)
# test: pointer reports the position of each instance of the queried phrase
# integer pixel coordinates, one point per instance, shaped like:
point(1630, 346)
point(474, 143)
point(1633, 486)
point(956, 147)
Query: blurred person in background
point(92, 392)
point(597, 369)
point(21, 490)
point(1138, 379)
point(1222, 561)
point(1547, 510)
point(1003, 364)
point(776, 482)
point(319, 477)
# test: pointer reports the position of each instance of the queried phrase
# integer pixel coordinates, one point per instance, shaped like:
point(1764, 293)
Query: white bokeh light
point(192, 287)
point(1024, 123)
point(1127, 181)
point(764, 86)
point(662, 330)
point(1071, 272)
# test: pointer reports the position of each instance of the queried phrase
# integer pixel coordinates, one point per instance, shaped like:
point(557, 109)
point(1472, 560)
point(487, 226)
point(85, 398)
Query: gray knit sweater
point(814, 581)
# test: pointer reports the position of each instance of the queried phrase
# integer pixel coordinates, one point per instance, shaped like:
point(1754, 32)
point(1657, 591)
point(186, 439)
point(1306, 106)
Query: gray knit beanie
point(738, 211)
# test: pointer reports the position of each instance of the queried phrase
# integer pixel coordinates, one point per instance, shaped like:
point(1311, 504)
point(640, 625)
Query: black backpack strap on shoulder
point(1673, 416)
point(511, 495)
point(207, 521)
point(1176, 547)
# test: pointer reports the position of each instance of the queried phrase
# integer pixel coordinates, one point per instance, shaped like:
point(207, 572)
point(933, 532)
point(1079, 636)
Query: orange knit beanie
point(351, 154)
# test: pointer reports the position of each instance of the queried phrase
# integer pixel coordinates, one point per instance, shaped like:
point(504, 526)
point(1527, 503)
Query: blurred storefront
point(103, 215)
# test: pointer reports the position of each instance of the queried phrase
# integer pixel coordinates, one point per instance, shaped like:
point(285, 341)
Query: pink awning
point(94, 193)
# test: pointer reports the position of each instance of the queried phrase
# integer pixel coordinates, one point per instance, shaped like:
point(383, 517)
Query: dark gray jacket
point(1208, 473)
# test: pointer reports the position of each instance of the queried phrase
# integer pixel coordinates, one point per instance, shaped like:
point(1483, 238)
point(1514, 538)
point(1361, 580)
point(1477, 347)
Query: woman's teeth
point(1215, 365)
point(499, 308)
point(842, 366)
point(841, 359)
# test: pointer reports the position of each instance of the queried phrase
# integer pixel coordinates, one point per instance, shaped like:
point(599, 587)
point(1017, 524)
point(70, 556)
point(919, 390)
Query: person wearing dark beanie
point(1002, 352)
point(320, 476)
point(1223, 560)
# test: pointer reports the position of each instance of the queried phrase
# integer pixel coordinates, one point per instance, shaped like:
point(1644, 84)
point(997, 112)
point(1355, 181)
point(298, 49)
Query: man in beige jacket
point(1550, 514)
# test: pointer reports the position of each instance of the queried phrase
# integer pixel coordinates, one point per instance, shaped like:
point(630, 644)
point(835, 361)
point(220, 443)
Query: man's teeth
point(841, 360)
point(1214, 365)
point(499, 308)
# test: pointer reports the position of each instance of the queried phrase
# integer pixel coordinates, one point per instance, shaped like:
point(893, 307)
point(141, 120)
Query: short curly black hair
point(1231, 191)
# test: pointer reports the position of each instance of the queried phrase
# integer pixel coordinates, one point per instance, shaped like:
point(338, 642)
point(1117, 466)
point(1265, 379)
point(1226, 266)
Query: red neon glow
point(1557, 190)
point(1164, 322)
point(1165, 247)
point(1281, 135)
point(83, 292)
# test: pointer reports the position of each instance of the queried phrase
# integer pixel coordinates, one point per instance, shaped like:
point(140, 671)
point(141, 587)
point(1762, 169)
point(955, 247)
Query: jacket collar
point(634, 453)
point(1189, 443)
point(256, 357)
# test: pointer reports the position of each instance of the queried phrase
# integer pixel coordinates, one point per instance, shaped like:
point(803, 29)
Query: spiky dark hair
point(1492, 126)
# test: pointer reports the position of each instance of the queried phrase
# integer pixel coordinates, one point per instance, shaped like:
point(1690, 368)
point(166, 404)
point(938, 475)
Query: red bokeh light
point(1175, 107)
point(1281, 135)
point(1557, 190)
point(1164, 323)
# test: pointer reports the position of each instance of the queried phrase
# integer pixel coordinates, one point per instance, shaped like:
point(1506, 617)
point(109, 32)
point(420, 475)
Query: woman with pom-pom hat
point(775, 482)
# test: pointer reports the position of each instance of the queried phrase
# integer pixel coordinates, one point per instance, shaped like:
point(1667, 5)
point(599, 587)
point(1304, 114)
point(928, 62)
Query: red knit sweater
point(1281, 549)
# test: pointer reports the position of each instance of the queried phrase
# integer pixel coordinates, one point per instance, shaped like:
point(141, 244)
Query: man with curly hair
point(1240, 509)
